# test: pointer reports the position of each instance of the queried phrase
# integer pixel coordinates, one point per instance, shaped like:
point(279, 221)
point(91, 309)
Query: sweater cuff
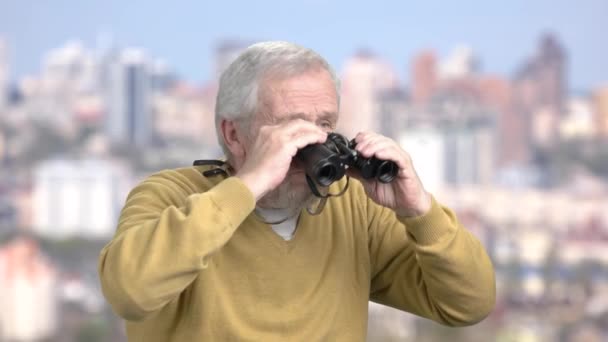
point(428, 228)
point(234, 199)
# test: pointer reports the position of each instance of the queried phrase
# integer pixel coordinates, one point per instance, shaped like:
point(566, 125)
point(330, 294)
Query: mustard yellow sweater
point(191, 262)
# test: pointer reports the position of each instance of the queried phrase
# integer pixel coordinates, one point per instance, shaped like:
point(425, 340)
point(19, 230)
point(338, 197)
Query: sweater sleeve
point(164, 237)
point(430, 266)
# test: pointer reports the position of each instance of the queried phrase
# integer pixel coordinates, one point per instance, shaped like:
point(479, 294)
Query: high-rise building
point(180, 115)
point(28, 293)
point(4, 74)
point(69, 69)
point(469, 154)
point(363, 78)
point(578, 121)
point(78, 198)
point(161, 77)
point(393, 112)
point(551, 74)
point(129, 91)
point(423, 77)
point(426, 147)
point(512, 139)
point(600, 100)
point(540, 92)
point(461, 63)
point(67, 73)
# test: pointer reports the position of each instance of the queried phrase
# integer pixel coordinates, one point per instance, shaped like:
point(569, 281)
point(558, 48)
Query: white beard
point(290, 194)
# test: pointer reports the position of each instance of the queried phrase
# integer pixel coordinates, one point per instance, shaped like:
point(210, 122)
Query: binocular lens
point(327, 174)
point(387, 170)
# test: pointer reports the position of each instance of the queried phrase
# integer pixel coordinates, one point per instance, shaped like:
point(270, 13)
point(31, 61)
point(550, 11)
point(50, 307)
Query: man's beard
point(291, 194)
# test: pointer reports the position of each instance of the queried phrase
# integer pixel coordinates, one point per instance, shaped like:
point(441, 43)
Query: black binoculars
point(326, 163)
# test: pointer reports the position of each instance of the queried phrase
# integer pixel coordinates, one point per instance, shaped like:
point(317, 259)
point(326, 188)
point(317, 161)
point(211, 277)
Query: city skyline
point(513, 147)
point(393, 31)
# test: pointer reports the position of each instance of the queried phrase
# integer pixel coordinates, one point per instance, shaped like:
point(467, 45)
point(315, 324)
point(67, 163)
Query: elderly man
point(201, 255)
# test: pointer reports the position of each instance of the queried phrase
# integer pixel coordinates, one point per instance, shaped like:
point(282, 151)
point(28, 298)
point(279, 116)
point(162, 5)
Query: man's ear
point(232, 138)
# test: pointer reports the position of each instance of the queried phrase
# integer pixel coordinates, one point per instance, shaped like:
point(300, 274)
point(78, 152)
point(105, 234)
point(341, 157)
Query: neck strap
point(223, 168)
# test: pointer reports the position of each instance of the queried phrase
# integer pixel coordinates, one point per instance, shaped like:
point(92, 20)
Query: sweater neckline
point(299, 233)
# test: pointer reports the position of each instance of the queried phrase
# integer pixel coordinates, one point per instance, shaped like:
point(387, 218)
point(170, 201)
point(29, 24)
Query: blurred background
point(502, 105)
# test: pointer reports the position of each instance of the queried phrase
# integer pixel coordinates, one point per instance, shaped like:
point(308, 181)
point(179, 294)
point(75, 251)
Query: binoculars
point(326, 163)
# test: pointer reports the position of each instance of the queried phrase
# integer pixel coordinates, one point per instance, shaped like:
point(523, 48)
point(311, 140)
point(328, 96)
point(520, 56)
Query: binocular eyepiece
point(326, 163)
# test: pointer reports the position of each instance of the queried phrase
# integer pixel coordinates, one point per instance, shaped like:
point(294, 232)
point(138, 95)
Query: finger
point(362, 136)
point(304, 139)
point(294, 126)
point(365, 140)
point(395, 154)
point(374, 145)
point(311, 135)
point(285, 129)
point(284, 134)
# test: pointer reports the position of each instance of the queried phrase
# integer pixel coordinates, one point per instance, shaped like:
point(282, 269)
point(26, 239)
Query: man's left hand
point(405, 194)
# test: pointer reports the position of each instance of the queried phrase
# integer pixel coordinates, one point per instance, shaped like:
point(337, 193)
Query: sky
point(185, 33)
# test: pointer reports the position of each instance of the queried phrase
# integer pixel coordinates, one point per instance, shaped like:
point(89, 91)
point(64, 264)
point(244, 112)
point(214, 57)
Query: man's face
point(310, 96)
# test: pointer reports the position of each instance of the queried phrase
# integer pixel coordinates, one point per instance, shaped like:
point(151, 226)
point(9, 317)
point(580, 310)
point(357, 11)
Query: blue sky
point(185, 32)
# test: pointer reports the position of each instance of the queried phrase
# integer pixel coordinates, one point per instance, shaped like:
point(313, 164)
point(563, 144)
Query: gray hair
point(239, 88)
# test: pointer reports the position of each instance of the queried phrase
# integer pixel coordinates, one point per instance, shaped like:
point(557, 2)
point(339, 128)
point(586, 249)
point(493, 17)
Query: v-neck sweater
point(286, 225)
point(190, 262)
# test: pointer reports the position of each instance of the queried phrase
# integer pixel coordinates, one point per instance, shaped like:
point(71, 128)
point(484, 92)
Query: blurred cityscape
point(523, 161)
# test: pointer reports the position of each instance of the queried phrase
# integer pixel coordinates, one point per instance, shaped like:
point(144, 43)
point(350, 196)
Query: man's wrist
point(252, 184)
point(422, 208)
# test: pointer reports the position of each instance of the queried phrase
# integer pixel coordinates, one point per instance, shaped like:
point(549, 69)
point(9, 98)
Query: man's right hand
point(268, 160)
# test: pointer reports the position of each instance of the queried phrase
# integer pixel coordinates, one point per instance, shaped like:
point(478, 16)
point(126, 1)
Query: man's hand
point(267, 161)
point(405, 194)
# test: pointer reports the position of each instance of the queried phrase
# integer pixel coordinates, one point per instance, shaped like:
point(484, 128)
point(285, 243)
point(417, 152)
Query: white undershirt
point(285, 229)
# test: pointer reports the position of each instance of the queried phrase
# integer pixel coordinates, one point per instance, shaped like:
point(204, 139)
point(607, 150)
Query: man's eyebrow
point(300, 115)
point(293, 116)
point(329, 115)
